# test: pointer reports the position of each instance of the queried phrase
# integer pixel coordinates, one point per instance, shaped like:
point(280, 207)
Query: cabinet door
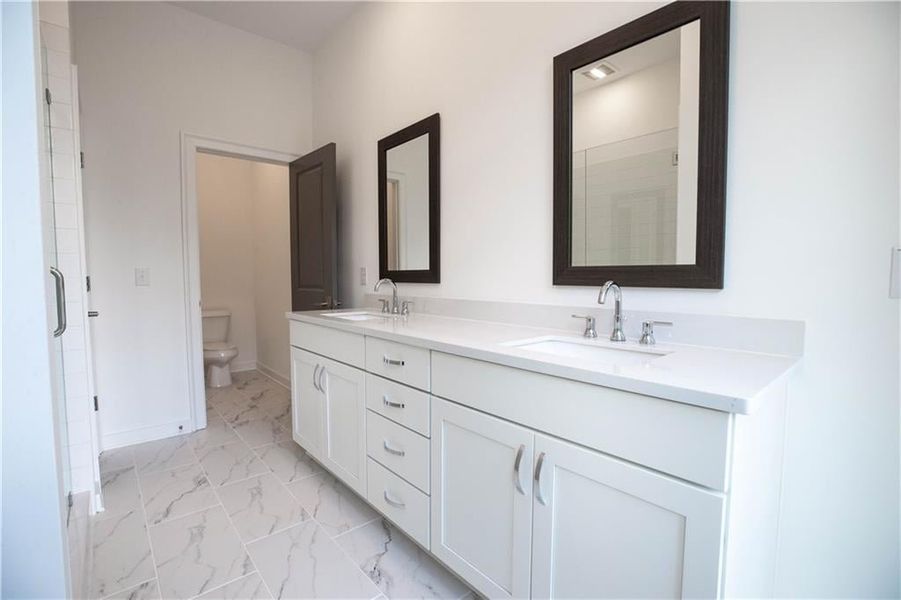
point(604, 528)
point(482, 499)
point(306, 402)
point(345, 422)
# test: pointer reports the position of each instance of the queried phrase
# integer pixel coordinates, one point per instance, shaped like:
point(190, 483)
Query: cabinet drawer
point(686, 441)
point(341, 345)
point(399, 403)
point(399, 362)
point(406, 506)
point(404, 452)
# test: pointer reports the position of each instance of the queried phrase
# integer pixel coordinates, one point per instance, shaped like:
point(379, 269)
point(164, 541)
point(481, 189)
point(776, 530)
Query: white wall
point(245, 260)
point(225, 217)
point(812, 210)
point(149, 71)
point(272, 268)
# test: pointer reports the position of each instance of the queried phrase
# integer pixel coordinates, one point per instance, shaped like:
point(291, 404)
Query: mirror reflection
point(635, 153)
point(407, 195)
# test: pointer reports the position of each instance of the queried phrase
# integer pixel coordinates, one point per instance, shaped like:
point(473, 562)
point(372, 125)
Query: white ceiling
point(302, 25)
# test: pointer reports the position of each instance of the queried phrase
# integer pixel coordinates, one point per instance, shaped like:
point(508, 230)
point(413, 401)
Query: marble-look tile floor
point(239, 511)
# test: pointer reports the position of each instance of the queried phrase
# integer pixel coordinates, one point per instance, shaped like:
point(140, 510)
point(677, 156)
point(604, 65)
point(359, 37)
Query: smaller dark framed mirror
point(640, 116)
point(409, 203)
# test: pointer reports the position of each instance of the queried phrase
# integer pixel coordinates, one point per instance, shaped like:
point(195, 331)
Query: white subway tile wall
point(67, 216)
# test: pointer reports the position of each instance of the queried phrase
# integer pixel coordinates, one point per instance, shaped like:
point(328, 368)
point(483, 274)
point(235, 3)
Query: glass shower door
point(57, 301)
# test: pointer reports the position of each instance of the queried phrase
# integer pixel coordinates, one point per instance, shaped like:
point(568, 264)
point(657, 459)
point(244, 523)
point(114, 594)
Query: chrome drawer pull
point(395, 362)
point(517, 478)
point(315, 377)
point(395, 503)
point(391, 404)
point(391, 450)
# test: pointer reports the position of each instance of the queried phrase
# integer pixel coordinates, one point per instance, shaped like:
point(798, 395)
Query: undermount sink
point(588, 350)
point(355, 316)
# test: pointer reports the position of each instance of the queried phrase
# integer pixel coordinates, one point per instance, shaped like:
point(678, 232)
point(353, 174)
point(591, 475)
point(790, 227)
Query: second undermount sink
point(588, 350)
point(356, 316)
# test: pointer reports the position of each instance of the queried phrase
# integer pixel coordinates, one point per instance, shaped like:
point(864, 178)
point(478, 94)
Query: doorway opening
point(236, 219)
point(245, 266)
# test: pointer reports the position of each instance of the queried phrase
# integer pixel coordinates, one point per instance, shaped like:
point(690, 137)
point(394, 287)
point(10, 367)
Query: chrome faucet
point(395, 306)
point(590, 331)
point(617, 334)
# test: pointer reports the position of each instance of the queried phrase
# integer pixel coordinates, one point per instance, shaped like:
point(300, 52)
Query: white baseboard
point(145, 434)
point(274, 375)
point(244, 365)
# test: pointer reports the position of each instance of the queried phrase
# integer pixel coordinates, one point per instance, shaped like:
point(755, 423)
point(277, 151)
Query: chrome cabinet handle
point(517, 478)
point(391, 450)
point(60, 282)
point(315, 375)
point(538, 494)
point(321, 384)
point(397, 362)
point(391, 404)
point(395, 503)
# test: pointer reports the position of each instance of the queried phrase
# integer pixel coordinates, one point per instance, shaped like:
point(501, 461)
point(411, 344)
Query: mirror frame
point(707, 272)
point(431, 126)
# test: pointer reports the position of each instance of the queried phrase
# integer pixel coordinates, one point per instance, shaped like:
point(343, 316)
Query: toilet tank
point(215, 324)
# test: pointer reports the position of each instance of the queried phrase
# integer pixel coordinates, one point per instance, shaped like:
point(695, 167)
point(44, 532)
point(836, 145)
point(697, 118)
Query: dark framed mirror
point(640, 119)
point(409, 203)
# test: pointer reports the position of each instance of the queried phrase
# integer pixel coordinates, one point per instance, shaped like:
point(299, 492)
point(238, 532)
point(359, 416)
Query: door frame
point(191, 144)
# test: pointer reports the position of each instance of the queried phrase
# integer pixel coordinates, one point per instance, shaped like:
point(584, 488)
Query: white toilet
point(217, 351)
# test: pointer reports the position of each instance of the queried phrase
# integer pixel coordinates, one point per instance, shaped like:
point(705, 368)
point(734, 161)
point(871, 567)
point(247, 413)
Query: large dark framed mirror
point(410, 203)
point(640, 118)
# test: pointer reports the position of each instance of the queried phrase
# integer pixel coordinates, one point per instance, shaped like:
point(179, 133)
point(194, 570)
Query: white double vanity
point(536, 463)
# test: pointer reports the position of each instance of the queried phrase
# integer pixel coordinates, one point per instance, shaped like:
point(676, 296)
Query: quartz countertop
point(716, 378)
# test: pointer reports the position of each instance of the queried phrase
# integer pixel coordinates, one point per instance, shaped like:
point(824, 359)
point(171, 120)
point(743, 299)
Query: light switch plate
point(142, 276)
point(894, 279)
point(363, 276)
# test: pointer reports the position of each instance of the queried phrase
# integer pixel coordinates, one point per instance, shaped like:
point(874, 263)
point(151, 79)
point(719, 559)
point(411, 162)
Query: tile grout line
point(234, 528)
point(156, 570)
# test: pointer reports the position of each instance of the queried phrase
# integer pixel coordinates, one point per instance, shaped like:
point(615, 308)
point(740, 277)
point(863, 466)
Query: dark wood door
point(314, 231)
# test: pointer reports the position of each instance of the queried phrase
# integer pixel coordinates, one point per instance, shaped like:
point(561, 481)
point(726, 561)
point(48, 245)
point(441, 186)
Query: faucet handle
point(590, 330)
point(405, 307)
point(647, 331)
point(384, 302)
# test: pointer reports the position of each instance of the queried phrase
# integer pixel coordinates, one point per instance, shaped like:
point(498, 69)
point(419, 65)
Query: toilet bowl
point(217, 351)
point(216, 359)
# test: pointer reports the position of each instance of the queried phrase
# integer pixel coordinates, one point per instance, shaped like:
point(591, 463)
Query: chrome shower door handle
point(517, 470)
point(60, 282)
point(538, 468)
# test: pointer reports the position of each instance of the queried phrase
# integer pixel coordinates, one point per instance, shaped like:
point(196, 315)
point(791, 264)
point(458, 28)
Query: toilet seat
point(219, 350)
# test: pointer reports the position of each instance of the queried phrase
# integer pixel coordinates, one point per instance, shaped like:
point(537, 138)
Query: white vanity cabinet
point(514, 511)
point(329, 414)
point(604, 528)
point(306, 402)
point(482, 498)
point(528, 484)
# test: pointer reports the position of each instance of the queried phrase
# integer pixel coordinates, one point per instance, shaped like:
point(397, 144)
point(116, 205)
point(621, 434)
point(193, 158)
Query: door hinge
point(47, 97)
point(96, 404)
point(81, 157)
point(87, 282)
